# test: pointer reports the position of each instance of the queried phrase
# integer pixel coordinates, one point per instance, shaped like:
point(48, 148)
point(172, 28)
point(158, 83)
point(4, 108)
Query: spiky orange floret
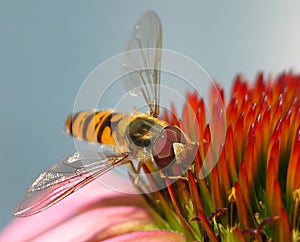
point(256, 162)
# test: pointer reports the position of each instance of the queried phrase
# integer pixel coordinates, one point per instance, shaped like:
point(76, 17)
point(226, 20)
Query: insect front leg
point(136, 171)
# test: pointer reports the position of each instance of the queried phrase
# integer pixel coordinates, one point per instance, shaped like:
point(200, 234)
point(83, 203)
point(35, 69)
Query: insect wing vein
point(143, 65)
point(64, 178)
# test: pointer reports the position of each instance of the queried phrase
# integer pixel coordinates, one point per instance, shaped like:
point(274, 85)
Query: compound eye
point(162, 149)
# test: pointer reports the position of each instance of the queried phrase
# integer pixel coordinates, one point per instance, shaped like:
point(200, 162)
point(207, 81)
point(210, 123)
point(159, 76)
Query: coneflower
point(253, 191)
point(241, 186)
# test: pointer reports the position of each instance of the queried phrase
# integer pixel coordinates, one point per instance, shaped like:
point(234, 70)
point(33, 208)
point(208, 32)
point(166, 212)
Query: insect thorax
point(139, 131)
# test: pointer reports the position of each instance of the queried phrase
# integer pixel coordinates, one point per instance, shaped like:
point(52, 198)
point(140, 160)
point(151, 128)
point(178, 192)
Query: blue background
point(47, 48)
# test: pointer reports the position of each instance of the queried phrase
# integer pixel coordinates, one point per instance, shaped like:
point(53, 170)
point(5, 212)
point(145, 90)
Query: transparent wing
point(64, 178)
point(143, 59)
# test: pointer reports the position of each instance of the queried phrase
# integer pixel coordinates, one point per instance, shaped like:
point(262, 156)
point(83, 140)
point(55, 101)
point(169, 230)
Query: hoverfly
point(121, 137)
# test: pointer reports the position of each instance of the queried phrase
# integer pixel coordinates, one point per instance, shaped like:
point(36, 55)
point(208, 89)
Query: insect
point(121, 137)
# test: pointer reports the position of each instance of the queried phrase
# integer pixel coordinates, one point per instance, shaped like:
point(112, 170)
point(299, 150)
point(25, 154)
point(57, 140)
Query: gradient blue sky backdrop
point(47, 48)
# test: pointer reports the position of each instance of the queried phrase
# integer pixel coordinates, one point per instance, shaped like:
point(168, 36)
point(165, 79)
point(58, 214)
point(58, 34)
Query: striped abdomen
point(93, 126)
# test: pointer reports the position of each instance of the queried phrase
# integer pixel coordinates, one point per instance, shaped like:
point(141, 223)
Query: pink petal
point(98, 223)
point(88, 211)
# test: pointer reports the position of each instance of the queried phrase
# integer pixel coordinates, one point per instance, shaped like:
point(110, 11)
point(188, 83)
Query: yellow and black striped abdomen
point(93, 126)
